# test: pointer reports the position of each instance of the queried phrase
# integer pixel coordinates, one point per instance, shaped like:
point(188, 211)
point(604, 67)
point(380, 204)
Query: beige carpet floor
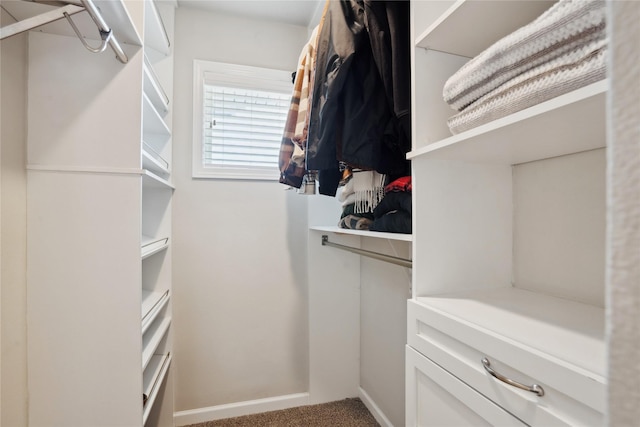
point(343, 413)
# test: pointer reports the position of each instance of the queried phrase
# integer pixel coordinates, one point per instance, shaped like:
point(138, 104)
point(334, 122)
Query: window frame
point(249, 77)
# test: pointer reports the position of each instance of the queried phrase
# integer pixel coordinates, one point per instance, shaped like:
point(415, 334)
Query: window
point(239, 117)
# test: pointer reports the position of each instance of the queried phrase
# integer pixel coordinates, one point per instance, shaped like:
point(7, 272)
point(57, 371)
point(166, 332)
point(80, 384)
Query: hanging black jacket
point(352, 111)
point(388, 24)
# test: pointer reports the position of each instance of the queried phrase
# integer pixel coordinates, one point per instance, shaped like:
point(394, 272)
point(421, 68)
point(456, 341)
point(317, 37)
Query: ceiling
point(296, 12)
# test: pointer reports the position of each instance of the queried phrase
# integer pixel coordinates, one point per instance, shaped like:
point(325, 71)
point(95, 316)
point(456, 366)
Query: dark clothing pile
point(393, 213)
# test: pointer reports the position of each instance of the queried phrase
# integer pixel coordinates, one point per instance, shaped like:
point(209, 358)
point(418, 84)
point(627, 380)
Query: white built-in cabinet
point(508, 247)
point(99, 220)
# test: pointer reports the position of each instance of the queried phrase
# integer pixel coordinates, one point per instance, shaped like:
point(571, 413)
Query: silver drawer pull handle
point(534, 388)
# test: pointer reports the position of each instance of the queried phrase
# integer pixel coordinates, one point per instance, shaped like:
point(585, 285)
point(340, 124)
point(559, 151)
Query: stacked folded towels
point(562, 50)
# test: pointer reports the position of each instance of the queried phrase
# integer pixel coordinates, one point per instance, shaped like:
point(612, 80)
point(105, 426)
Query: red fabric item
point(400, 184)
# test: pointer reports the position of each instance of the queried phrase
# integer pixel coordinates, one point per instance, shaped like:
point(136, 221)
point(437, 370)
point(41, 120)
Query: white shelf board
point(114, 12)
point(151, 342)
point(153, 377)
point(365, 233)
point(489, 20)
point(567, 124)
point(152, 304)
point(150, 245)
point(152, 121)
point(153, 89)
point(151, 180)
point(153, 162)
point(567, 330)
point(155, 35)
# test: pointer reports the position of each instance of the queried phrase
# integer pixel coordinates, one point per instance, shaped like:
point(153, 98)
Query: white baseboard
point(201, 415)
point(374, 409)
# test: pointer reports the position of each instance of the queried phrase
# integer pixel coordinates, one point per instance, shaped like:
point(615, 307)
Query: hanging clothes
point(292, 161)
point(387, 25)
point(358, 104)
point(353, 115)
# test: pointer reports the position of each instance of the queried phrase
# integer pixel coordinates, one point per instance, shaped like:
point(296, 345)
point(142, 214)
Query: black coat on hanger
point(359, 79)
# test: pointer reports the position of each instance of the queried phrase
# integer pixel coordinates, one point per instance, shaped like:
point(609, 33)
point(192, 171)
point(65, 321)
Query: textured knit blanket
point(564, 27)
point(564, 74)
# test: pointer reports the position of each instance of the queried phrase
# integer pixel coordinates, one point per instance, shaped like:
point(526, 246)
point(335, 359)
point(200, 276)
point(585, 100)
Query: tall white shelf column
point(99, 192)
point(481, 286)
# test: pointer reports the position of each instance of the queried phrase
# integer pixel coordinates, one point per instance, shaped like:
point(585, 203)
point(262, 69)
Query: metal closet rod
point(93, 11)
point(66, 9)
point(382, 257)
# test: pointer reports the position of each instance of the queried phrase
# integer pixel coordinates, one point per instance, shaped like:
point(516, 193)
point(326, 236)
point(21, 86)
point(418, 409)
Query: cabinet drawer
point(571, 397)
point(437, 398)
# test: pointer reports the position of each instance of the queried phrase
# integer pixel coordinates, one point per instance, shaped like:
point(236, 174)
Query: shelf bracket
point(65, 12)
point(38, 20)
point(381, 257)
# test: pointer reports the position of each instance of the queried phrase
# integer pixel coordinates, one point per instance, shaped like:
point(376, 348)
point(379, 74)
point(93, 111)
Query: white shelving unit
point(157, 190)
point(155, 36)
point(115, 13)
point(153, 162)
point(469, 301)
point(544, 131)
point(99, 219)
point(152, 303)
point(153, 376)
point(364, 233)
point(444, 34)
point(153, 89)
point(153, 337)
point(153, 245)
point(151, 180)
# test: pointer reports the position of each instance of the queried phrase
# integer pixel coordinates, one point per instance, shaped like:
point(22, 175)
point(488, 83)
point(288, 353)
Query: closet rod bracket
point(38, 20)
point(376, 255)
point(104, 35)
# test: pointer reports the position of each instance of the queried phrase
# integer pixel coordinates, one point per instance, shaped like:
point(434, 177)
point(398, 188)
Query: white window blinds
point(243, 127)
point(239, 118)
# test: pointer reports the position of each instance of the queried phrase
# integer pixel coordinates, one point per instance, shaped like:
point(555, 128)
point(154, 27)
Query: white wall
point(239, 260)
point(559, 204)
point(13, 228)
point(384, 290)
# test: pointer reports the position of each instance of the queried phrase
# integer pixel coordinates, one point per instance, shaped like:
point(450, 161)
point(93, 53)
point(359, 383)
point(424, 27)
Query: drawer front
point(569, 397)
point(437, 398)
